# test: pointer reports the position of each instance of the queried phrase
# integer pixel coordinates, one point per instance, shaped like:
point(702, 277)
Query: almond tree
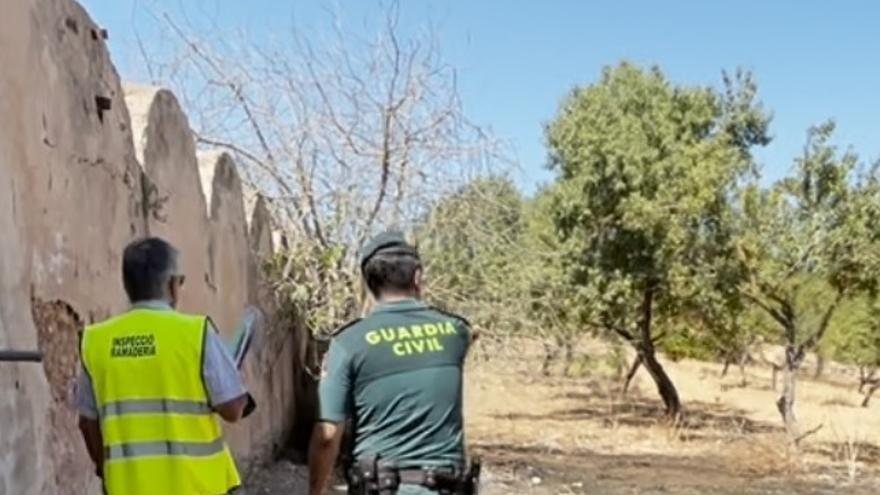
point(645, 169)
point(818, 224)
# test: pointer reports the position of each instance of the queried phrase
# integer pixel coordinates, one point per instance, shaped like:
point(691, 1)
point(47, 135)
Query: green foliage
point(313, 282)
point(553, 303)
point(494, 256)
point(807, 243)
point(645, 171)
point(854, 334)
point(471, 244)
point(688, 342)
point(656, 227)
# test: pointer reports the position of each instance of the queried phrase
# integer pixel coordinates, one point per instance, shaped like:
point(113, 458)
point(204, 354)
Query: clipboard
point(250, 326)
point(242, 341)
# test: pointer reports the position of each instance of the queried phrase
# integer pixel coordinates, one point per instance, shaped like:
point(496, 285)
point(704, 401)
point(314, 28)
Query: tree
point(344, 135)
point(645, 169)
point(816, 226)
point(552, 300)
point(729, 331)
point(493, 255)
point(867, 354)
point(854, 332)
point(472, 243)
point(854, 338)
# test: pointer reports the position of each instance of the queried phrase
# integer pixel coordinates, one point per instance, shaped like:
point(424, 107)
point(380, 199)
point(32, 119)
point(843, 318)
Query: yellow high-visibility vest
point(160, 434)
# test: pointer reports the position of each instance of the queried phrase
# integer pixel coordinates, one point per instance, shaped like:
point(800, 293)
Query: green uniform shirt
point(398, 375)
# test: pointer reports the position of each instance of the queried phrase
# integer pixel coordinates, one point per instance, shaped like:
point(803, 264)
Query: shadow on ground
point(540, 469)
point(517, 469)
point(636, 411)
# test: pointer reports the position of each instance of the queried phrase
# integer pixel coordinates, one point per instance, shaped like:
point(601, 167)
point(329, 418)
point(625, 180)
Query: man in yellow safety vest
point(152, 384)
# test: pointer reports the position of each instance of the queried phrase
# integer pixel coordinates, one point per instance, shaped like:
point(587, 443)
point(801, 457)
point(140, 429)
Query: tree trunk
point(873, 388)
point(820, 366)
point(665, 387)
point(637, 362)
point(550, 353)
point(785, 404)
point(862, 380)
point(740, 359)
point(865, 377)
point(568, 357)
point(645, 348)
point(725, 367)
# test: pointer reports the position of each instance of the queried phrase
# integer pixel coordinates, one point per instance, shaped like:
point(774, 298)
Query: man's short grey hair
point(147, 267)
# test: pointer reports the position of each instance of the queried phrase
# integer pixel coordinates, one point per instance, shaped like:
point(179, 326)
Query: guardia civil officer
point(152, 384)
point(397, 376)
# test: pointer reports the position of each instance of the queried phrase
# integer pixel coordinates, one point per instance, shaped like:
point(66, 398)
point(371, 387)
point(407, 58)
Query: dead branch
point(343, 136)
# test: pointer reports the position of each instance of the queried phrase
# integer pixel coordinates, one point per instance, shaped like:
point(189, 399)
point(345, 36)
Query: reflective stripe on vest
point(160, 434)
point(154, 406)
point(142, 449)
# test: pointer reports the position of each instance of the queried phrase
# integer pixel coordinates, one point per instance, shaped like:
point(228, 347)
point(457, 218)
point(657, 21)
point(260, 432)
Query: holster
point(370, 476)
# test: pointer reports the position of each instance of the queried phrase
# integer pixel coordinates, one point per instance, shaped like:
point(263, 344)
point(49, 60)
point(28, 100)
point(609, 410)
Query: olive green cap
point(391, 241)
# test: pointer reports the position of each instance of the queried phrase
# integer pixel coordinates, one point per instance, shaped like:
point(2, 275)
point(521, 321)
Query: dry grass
point(731, 432)
point(840, 401)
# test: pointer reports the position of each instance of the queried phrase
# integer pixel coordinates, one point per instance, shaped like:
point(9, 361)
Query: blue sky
point(516, 59)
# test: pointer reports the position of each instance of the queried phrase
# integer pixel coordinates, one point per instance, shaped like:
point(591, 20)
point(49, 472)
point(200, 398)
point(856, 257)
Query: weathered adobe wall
point(197, 203)
point(79, 178)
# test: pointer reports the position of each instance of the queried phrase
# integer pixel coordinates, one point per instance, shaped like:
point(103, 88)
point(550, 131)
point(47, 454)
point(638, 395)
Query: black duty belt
point(370, 477)
point(437, 479)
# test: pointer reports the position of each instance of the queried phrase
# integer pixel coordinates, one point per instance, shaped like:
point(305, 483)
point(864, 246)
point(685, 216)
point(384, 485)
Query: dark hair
point(385, 272)
point(147, 267)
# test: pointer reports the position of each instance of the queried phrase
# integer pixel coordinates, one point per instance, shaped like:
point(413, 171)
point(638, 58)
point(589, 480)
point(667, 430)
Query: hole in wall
point(58, 329)
point(103, 104)
point(71, 24)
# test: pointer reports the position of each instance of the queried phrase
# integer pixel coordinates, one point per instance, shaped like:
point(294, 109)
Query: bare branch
point(234, 87)
point(622, 332)
point(344, 135)
point(773, 312)
point(814, 339)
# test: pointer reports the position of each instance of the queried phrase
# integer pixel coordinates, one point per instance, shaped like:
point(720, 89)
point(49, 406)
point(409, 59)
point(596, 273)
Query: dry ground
point(578, 435)
point(570, 435)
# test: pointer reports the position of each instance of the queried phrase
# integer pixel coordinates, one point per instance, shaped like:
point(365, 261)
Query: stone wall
point(86, 166)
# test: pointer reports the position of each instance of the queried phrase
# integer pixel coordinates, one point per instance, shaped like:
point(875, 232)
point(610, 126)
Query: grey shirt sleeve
point(222, 378)
point(84, 396)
